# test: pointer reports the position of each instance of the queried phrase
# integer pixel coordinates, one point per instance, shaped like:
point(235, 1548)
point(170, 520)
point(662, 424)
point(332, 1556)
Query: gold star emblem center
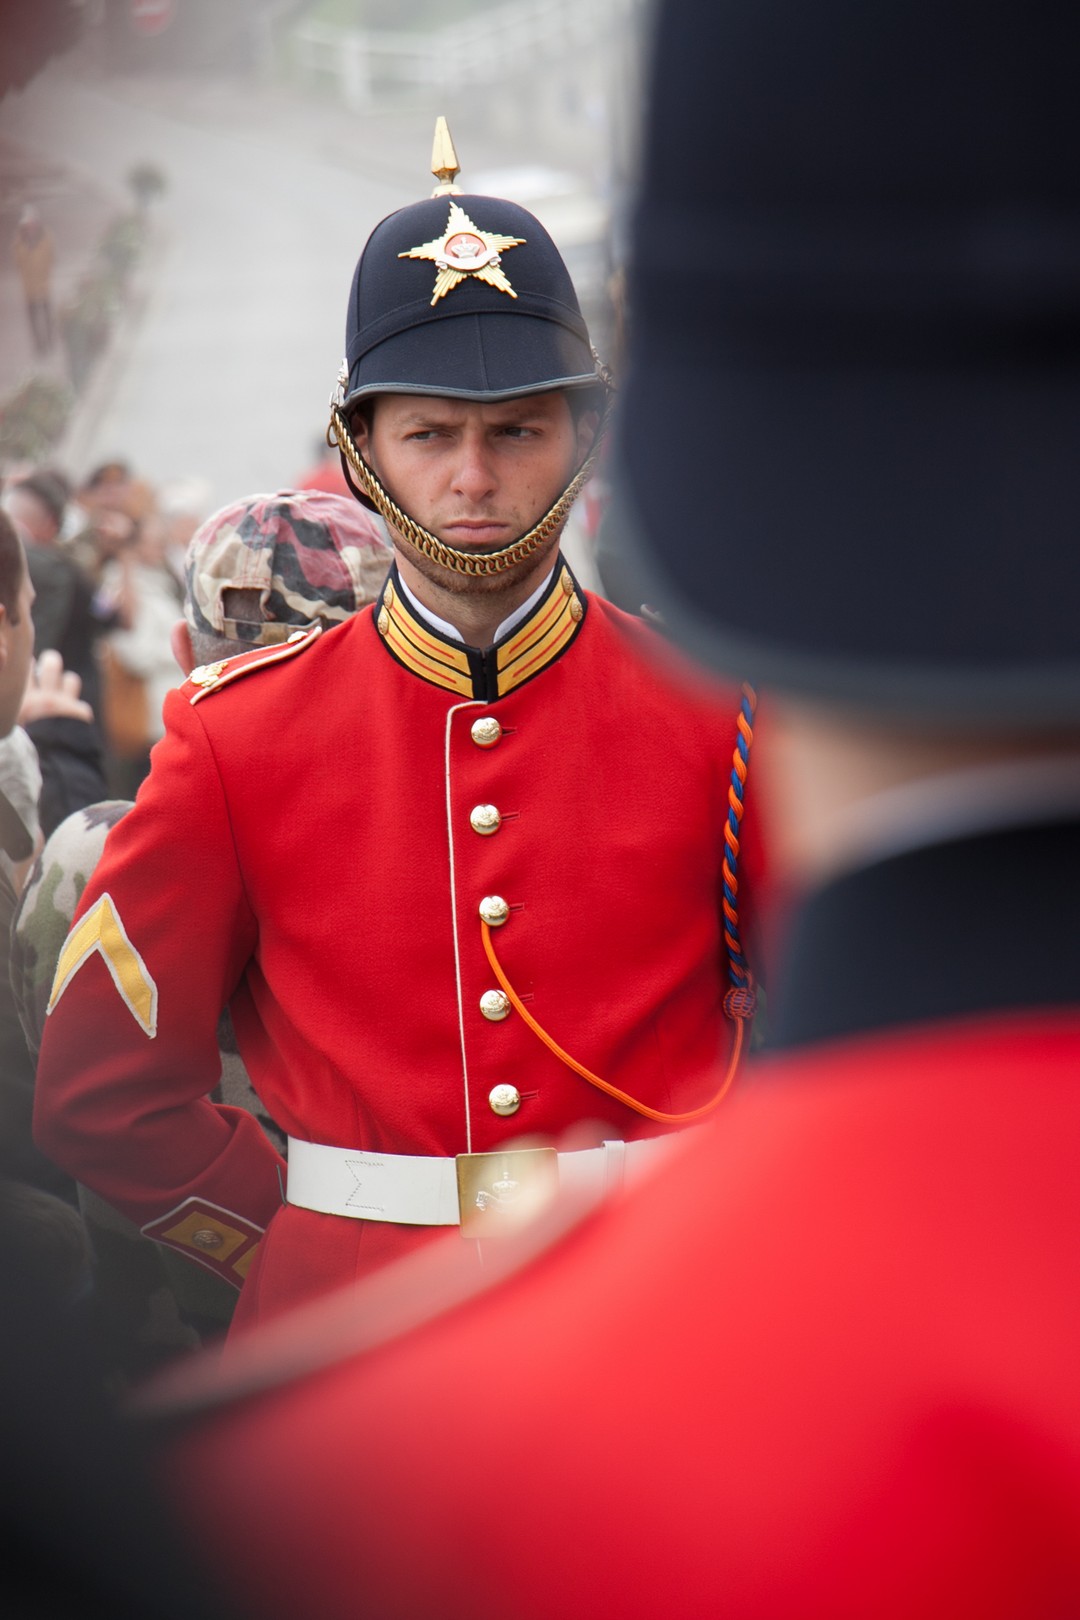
point(465, 250)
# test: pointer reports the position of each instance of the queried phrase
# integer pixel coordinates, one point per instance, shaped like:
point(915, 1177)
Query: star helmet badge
point(465, 250)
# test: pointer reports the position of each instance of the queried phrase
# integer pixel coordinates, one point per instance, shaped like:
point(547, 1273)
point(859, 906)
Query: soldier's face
point(478, 476)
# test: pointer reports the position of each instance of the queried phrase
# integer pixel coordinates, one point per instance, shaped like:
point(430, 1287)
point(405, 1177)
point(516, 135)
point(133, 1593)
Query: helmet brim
point(486, 357)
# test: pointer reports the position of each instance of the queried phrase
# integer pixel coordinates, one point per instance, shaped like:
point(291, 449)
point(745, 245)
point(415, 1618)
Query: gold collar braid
point(422, 540)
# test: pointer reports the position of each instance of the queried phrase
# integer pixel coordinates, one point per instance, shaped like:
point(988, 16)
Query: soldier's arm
point(129, 1052)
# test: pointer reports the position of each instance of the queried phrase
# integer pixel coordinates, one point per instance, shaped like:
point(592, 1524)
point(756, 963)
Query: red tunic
point(304, 847)
point(824, 1364)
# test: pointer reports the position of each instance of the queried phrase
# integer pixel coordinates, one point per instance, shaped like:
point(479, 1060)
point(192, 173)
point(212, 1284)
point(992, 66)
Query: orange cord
point(739, 1020)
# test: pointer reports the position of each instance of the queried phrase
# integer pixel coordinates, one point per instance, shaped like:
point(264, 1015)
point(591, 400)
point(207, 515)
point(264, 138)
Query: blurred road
point(223, 366)
point(225, 372)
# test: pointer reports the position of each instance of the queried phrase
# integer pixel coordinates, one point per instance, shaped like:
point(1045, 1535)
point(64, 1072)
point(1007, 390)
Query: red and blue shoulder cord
point(740, 999)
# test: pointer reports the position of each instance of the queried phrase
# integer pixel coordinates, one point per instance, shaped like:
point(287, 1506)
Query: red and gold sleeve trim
point(216, 1238)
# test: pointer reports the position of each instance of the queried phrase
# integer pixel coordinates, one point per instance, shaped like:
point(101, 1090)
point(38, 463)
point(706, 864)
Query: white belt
point(421, 1191)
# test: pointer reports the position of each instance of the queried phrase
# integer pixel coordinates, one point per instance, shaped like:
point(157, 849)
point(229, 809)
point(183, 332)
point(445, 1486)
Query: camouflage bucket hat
point(265, 566)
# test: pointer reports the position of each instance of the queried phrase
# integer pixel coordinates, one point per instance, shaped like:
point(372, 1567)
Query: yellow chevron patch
point(101, 930)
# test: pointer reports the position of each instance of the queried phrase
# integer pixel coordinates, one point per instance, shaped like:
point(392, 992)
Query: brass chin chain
point(465, 562)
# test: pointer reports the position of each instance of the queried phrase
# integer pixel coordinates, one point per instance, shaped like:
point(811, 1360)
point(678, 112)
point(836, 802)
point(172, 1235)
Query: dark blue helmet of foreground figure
point(855, 352)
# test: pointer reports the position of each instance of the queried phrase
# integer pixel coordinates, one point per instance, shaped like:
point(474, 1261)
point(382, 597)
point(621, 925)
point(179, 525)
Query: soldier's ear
point(360, 423)
point(586, 426)
point(180, 643)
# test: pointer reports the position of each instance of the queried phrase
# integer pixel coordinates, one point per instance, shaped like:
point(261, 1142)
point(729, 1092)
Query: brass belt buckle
point(499, 1192)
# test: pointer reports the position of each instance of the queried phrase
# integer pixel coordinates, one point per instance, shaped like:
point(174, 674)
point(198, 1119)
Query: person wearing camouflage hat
point(460, 863)
point(262, 567)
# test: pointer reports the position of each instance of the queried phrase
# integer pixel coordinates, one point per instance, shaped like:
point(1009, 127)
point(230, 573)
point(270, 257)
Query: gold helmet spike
point(444, 164)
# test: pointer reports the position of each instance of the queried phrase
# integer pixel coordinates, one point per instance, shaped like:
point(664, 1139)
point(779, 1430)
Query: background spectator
point(34, 255)
point(138, 667)
point(66, 617)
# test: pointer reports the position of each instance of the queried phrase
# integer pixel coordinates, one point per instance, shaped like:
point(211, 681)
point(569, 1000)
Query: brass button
point(494, 910)
point(383, 621)
point(486, 731)
point(485, 820)
point(566, 582)
point(495, 1005)
point(504, 1100)
point(577, 612)
point(388, 593)
point(207, 1238)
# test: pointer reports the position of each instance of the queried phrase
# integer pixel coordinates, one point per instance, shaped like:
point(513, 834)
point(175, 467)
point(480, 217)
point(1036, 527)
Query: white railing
point(499, 42)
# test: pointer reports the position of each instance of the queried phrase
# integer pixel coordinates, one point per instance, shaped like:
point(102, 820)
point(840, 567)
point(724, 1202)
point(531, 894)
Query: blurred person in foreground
point(490, 752)
point(825, 1362)
point(84, 1534)
point(245, 560)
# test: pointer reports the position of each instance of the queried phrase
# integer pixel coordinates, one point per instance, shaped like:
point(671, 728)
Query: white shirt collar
point(445, 628)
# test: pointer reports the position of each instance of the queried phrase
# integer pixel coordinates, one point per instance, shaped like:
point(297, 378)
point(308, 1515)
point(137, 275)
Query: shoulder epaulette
point(212, 677)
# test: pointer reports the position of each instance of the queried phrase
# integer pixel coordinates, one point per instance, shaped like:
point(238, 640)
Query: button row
point(495, 1005)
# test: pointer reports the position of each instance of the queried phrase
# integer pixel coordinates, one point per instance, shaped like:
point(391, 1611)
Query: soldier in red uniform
point(824, 1363)
point(457, 869)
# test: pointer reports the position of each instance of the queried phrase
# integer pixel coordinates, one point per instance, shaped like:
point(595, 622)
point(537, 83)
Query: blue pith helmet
point(509, 323)
point(463, 297)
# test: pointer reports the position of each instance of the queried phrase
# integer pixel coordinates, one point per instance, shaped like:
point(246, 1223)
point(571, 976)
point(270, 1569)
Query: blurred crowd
point(106, 560)
point(129, 587)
